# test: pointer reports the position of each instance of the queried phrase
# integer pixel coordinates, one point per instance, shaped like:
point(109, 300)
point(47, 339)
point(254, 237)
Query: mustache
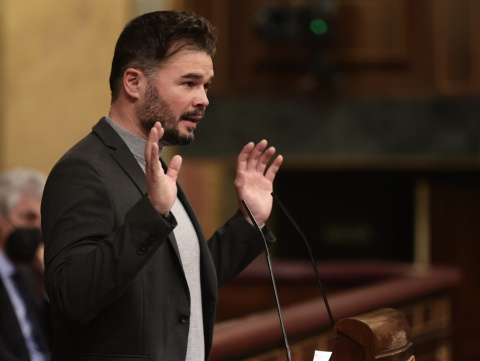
point(194, 113)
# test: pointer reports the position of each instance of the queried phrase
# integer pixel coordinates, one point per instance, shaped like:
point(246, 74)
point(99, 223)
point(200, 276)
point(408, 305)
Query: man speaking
point(129, 273)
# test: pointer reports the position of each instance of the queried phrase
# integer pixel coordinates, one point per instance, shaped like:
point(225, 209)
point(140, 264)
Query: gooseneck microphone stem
point(310, 253)
point(267, 254)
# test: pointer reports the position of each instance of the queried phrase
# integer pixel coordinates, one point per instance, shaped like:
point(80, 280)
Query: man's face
point(177, 97)
point(25, 214)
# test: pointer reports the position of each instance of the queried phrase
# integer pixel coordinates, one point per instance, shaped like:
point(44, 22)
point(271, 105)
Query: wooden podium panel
point(380, 335)
point(422, 297)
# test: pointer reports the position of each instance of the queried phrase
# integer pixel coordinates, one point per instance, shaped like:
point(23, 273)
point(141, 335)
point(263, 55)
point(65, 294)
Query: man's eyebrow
point(195, 76)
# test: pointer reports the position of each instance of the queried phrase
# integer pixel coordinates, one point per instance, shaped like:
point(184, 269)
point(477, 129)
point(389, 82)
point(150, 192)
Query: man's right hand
point(161, 186)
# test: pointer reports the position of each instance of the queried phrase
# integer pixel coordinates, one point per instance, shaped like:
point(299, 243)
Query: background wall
point(55, 58)
point(378, 120)
point(54, 65)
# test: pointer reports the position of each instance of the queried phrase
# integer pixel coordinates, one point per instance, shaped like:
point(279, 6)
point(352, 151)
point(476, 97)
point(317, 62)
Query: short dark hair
point(148, 39)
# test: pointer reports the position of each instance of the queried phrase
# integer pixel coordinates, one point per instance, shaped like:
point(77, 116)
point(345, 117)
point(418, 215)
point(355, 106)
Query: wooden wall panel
point(455, 233)
point(55, 59)
point(377, 32)
point(413, 48)
point(457, 53)
point(371, 40)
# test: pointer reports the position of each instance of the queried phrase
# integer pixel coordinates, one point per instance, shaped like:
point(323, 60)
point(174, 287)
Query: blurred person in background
point(25, 315)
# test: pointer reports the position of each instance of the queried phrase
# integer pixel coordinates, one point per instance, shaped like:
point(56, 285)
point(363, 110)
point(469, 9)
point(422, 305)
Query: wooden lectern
point(380, 335)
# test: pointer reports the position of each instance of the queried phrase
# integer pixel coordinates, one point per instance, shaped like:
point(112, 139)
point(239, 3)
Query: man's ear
point(134, 82)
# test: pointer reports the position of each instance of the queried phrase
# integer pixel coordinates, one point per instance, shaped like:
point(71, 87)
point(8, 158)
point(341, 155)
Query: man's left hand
point(254, 181)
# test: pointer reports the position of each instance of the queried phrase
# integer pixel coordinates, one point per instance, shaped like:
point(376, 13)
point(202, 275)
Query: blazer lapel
point(125, 159)
point(121, 154)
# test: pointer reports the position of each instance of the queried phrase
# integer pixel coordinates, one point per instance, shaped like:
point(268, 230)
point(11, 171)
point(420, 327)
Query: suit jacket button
point(184, 319)
point(141, 250)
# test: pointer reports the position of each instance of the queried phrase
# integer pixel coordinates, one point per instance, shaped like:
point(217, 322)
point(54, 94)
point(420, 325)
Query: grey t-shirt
point(187, 241)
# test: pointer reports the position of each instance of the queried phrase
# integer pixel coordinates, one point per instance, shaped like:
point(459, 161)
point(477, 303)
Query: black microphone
point(267, 254)
point(310, 253)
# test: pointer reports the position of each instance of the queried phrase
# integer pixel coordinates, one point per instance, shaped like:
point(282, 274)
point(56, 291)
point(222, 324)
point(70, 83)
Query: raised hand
point(254, 181)
point(161, 186)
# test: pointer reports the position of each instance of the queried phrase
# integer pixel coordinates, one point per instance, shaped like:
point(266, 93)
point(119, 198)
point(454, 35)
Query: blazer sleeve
point(90, 260)
point(235, 245)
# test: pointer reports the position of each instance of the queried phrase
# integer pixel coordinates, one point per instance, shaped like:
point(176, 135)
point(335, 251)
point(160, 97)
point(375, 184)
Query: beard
point(156, 109)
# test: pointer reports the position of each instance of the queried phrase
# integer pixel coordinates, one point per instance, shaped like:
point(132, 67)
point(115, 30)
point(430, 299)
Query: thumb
point(174, 166)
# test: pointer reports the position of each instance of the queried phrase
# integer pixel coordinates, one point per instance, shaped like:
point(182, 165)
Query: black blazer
point(113, 271)
point(12, 342)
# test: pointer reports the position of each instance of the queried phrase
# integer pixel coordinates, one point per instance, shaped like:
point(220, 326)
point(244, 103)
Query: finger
point(155, 165)
point(264, 159)
point(159, 132)
point(160, 129)
point(152, 162)
point(273, 169)
point(243, 156)
point(153, 136)
point(174, 167)
point(148, 147)
point(255, 154)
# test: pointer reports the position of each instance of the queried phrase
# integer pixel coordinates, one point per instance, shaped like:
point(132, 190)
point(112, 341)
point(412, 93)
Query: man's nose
point(201, 99)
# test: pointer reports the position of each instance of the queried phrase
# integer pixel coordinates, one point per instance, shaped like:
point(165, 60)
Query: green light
point(318, 26)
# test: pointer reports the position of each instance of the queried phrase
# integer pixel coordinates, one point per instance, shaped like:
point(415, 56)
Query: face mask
point(22, 244)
